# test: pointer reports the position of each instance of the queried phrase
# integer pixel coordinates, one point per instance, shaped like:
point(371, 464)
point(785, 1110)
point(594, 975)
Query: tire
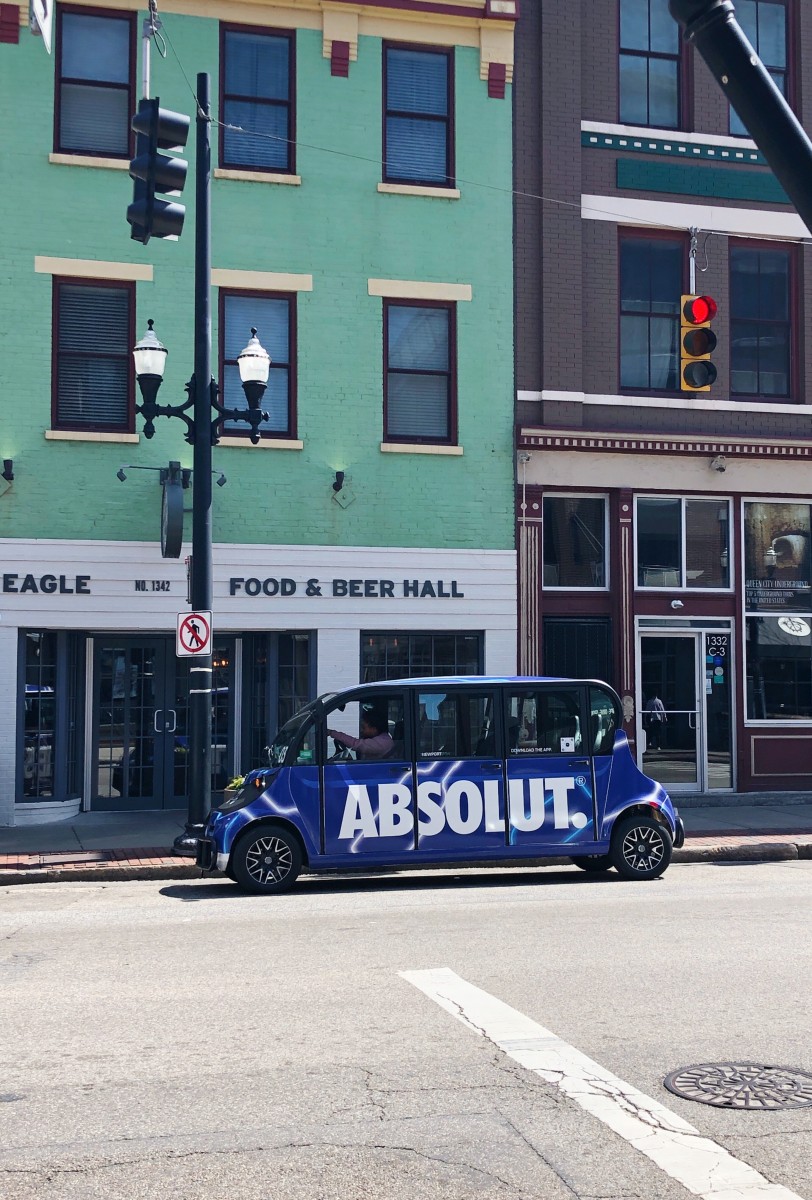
point(266, 859)
point(593, 862)
point(641, 847)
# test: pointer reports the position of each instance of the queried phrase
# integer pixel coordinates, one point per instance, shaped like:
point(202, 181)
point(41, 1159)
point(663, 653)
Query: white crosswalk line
point(698, 1163)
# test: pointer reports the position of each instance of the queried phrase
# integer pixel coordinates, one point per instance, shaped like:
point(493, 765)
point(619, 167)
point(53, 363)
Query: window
point(577, 647)
point(760, 321)
point(370, 716)
point(765, 25)
point(419, 372)
point(604, 721)
point(456, 725)
point(649, 64)
point(274, 319)
point(411, 655)
point(418, 134)
point(682, 543)
point(93, 338)
point(95, 97)
point(574, 542)
point(545, 721)
point(651, 274)
point(257, 84)
point(50, 700)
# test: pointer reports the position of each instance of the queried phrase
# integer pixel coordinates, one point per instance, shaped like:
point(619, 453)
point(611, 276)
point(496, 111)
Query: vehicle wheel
point(267, 859)
point(593, 862)
point(641, 848)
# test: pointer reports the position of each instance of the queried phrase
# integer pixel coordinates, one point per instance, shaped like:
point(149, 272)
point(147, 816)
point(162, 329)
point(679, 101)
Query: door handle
point(579, 762)
point(174, 722)
point(155, 716)
point(492, 766)
point(692, 720)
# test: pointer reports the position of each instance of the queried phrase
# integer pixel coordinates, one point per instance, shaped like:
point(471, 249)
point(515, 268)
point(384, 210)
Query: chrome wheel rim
point(269, 860)
point(643, 848)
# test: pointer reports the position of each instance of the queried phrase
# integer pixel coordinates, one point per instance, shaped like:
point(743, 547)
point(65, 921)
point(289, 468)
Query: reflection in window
point(760, 324)
point(411, 655)
point(779, 668)
point(574, 541)
point(682, 543)
point(649, 64)
point(40, 714)
point(604, 720)
point(765, 25)
point(651, 271)
point(545, 721)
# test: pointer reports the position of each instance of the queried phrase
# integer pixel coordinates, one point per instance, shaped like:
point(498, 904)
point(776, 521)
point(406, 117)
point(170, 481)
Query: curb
point(713, 851)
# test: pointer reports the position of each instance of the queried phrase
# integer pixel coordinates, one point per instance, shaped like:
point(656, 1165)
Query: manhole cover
point(755, 1086)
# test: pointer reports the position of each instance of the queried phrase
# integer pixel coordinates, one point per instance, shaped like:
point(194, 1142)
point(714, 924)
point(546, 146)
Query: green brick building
point(362, 221)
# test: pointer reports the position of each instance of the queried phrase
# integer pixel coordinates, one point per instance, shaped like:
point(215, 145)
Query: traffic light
point(697, 343)
point(157, 129)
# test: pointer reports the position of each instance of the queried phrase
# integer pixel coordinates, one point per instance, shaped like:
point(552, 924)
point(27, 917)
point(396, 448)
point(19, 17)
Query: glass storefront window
point(40, 714)
point(682, 543)
point(410, 655)
point(574, 536)
point(777, 557)
point(779, 668)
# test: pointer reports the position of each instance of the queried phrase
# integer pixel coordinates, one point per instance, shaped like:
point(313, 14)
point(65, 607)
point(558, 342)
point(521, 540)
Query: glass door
point(685, 710)
point(670, 711)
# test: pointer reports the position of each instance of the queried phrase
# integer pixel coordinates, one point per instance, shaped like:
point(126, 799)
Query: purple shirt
point(371, 747)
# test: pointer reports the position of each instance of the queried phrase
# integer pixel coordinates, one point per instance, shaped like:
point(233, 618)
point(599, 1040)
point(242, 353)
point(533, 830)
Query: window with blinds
point(93, 339)
point(95, 97)
point(273, 317)
point(420, 375)
point(418, 145)
point(257, 73)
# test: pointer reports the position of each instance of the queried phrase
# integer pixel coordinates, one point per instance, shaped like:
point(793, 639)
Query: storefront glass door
point(140, 723)
point(684, 707)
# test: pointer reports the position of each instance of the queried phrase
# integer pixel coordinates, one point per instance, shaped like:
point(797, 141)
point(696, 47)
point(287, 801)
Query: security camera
point(719, 463)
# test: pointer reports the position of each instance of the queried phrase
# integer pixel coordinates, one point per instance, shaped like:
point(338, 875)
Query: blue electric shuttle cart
point(447, 770)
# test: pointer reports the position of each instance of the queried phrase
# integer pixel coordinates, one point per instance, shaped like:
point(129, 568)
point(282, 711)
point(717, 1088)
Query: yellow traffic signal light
point(697, 343)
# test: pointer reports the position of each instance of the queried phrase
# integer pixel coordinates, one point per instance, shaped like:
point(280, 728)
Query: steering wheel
point(342, 752)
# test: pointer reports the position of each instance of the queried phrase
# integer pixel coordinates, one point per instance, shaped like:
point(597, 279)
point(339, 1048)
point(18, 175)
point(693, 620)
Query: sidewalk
point(138, 845)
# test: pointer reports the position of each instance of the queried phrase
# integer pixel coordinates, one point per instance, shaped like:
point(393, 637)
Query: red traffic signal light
point(696, 310)
point(697, 343)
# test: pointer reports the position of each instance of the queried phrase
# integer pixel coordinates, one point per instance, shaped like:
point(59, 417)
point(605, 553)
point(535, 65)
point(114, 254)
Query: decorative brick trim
point(497, 75)
point(675, 147)
point(340, 59)
point(535, 440)
point(10, 23)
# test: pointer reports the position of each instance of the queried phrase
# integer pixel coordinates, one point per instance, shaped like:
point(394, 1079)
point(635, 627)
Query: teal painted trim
point(690, 180)
point(680, 147)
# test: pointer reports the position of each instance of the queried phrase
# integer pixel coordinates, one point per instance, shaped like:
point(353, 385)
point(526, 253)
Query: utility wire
point(492, 187)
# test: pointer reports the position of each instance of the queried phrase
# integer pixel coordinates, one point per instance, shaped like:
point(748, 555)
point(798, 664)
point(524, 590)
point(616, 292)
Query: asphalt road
point(186, 1040)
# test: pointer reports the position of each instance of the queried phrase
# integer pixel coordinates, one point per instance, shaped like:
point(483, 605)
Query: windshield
point(278, 750)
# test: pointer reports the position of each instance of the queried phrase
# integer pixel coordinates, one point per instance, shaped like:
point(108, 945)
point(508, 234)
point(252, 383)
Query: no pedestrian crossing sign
point(194, 635)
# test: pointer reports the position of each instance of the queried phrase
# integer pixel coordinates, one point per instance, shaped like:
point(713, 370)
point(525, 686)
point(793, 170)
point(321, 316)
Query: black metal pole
point(200, 671)
point(712, 26)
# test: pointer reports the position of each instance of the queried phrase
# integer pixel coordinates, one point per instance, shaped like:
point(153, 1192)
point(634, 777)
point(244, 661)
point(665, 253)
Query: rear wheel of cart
point(266, 859)
point(593, 862)
point(641, 847)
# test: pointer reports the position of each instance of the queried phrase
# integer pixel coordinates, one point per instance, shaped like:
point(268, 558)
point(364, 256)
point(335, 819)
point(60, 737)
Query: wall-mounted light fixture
point(339, 481)
point(8, 469)
point(222, 481)
point(719, 463)
point(677, 604)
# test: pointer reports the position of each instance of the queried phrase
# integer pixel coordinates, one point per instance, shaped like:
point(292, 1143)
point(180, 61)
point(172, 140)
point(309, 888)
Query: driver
point(374, 742)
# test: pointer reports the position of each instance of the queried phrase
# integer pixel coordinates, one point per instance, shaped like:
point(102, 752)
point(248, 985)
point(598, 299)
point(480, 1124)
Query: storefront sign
point(65, 585)
point(376, 589)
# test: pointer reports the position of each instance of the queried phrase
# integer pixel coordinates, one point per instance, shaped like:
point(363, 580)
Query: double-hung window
point(274, 318)
point(257, 81)
point(95, 96)
point(420, 402)
point(765, 24)
point(651, 275)
point(760, 321)
point(682, 543)
point(649, 65)
point(418, 130)
point(93, 336)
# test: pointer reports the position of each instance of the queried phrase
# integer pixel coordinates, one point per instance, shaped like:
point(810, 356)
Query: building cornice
point(530, 438)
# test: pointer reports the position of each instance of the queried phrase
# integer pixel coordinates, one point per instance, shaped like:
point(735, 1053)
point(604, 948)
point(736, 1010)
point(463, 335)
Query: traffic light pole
point(200, 671)
point(712, 27)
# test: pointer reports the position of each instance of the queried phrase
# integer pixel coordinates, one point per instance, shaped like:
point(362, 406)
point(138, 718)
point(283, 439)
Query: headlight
point(253, 786)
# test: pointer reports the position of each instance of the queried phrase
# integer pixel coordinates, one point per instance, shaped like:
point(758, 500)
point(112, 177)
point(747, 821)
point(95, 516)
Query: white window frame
point(559, 495)
point(684, 585)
